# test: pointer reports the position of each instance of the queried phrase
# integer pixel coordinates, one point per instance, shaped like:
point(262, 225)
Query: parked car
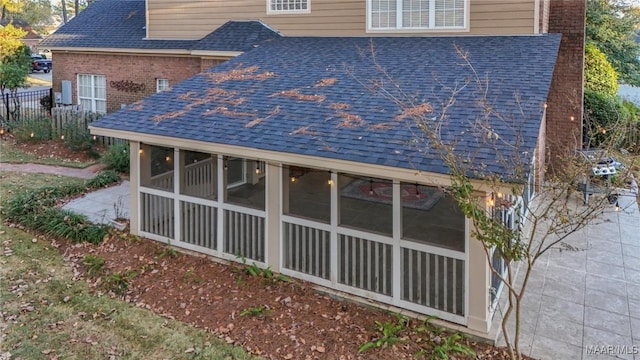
point(39, 63)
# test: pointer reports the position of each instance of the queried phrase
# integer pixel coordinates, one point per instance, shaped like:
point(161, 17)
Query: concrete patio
point(103, 205)
point(586, 296)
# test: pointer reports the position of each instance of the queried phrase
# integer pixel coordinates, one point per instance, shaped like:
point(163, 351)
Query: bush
point(31, 129)
point(599, 75)
point(604, 113)
point(77, 136)
point(117, 157)
point(35, 209)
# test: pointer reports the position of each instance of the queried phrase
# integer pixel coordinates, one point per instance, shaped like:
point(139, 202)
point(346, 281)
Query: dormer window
point(417, 14)
point(288, 6)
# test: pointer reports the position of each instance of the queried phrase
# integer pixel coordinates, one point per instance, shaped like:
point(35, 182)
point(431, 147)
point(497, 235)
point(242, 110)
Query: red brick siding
point(564, 111)
point(138, 69)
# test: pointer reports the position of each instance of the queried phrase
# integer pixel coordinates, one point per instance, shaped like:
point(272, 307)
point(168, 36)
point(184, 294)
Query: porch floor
point(588, 294)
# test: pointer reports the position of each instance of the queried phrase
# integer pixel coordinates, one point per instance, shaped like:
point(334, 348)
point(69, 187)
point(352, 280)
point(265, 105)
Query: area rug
point(424, 199)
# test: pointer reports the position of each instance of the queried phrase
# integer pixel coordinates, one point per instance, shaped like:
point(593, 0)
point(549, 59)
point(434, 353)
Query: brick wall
point(129, 77)
point(564, 110)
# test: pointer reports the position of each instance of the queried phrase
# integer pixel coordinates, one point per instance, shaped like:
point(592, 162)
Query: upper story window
point(288, 6)
point(417, 14)
point(162, 84)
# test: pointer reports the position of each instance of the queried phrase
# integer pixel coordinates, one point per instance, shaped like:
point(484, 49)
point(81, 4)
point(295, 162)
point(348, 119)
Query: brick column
point(564, 111)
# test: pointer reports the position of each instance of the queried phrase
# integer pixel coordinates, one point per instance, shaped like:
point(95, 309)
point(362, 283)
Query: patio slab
point(590, 295)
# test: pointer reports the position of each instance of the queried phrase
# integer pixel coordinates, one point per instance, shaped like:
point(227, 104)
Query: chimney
point(564, 125)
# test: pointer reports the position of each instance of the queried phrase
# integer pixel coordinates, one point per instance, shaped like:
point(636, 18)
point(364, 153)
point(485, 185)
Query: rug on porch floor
point(425, 198)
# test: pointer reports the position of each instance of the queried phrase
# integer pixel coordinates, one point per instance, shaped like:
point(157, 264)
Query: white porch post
point(273, 193)
point(134, 186)
point(479, 282)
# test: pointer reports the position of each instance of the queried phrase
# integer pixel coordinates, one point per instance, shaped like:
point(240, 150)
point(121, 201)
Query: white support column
point(134, 186)
point(478, 283)
point(178, 164)
point(273, 191)
point(335, 214)
point(397, 234)
point(222, 183)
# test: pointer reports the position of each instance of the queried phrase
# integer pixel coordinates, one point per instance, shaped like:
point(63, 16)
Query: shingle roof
point(338, 98)
point(121, 24)
point(236, 36)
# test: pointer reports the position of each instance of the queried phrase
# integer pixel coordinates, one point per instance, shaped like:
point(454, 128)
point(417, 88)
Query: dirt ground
point(267, 316)
point(54, 149)
point(272, 317)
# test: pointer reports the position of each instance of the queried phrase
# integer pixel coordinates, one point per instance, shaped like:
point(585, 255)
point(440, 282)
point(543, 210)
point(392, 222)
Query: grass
point(47, 314)
point(11, 154)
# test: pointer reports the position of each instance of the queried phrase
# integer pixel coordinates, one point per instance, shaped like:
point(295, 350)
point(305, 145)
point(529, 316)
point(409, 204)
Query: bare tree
point(515, 231)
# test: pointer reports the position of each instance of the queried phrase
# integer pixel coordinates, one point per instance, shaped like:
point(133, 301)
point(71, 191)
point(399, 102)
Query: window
point(417, 14)
point(288, 6)
point(162, 84)
point(92, 93)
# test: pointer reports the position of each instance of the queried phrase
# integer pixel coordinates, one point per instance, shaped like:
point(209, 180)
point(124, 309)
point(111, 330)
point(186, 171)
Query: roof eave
point(277, 157)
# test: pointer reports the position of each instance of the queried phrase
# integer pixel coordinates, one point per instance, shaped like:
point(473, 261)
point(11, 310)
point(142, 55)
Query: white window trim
point(93, 97)
point(431, 27)
point(158, 84)
point(283, 12)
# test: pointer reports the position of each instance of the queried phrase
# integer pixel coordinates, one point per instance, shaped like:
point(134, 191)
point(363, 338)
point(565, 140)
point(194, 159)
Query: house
point(301, 151)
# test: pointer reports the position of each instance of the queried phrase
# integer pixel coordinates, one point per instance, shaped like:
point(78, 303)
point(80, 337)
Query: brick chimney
point(564, 104)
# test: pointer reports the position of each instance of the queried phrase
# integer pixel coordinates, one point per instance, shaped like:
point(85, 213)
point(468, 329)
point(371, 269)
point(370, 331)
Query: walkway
point(86, 173)
point(589, 294)
point(100, 206)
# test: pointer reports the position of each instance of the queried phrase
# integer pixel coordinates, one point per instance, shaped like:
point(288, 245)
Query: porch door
point(236, 172)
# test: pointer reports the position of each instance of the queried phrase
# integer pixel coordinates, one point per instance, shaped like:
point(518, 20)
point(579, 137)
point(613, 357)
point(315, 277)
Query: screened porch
point(398, 243)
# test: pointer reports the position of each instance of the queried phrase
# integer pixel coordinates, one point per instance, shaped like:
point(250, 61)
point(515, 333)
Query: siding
point(170, 19)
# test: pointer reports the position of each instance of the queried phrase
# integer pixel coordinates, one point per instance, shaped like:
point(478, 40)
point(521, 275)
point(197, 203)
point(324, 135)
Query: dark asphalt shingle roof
point(121, 24)
point(338, 98)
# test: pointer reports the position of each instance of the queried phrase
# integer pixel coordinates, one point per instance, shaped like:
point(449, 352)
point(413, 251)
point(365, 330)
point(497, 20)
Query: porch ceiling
point(350, 99)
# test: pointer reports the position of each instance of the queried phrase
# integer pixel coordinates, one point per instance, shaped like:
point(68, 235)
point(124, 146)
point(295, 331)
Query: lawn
point(45, 313)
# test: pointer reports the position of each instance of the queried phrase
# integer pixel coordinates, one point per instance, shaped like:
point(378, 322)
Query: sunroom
point(306, 163)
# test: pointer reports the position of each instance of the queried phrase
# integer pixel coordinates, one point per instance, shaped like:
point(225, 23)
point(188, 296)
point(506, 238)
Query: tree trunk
point(77, 7)
point(4, 12)
point(64, 11)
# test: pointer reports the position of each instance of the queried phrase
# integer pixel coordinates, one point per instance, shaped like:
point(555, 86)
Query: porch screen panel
point(198, 224)
point(244, 235)
point(199, 175)
point(307, 250)
point(433, 280)
point(156, 167)
point(157, 215)
point(365, 264)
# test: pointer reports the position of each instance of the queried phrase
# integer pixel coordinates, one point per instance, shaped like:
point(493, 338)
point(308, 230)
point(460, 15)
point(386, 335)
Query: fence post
point(6, 103)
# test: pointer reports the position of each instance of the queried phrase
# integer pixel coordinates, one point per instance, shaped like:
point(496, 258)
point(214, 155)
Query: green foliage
point(37, 129)
point(36, 13)
point(103, 179)
point(599, 75)
point(611, 26)
point(118, 282)
point(255, 311)
point(93, 263)
point(36, 209)
point(603, 113)
point(15, 59)
point(168, 251)
point(389, 330)
point(76, 136)
point(117, 157)
point(441, 346)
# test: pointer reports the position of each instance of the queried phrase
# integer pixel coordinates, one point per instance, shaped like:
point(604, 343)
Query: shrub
point(599, 75)
point(31, 129)
point(103, 179)
point(77, 136)
point(117, 157)
point(35, 209)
